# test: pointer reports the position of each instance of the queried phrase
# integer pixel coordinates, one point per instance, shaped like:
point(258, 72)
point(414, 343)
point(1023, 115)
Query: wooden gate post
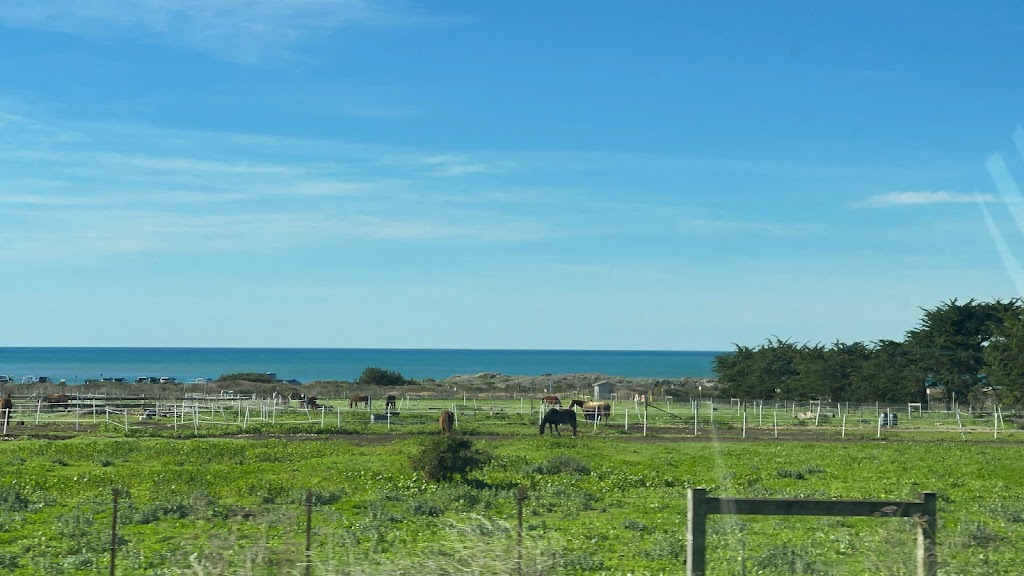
point(696, 531)
point(309, 531)
point(927, 523)
point(700, 506)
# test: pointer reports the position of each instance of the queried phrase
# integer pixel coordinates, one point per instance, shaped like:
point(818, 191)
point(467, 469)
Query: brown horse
point(6, 407)
point(56, 398)
point(593, 410)
point(358, 399)
point(556, 416)
point(447, 422)
point(552, 401)
point(390, 403)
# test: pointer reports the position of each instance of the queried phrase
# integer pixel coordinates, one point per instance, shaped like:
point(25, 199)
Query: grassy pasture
point(597, 504)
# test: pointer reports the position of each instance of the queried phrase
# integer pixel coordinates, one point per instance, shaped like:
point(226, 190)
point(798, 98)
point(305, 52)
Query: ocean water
point(308, 364)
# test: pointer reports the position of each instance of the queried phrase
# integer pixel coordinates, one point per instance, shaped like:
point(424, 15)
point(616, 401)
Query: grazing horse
point(447, 422)
point(593, 410)
point(390, 403)
point(358, 399)
point(552, 401)
point(6, 407)
point(56, 398)
point(556, 416)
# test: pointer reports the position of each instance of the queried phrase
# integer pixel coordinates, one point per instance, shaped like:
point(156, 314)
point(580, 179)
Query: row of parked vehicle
point(5, 379)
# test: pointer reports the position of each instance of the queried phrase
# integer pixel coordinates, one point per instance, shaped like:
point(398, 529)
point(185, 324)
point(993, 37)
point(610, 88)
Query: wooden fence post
point(309, 531)
point(701, 506)
point(113, 536)
point(520, 496)
point(927, 561)
point(696, 521)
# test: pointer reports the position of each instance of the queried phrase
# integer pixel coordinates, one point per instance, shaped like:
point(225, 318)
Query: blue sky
point(604, 175)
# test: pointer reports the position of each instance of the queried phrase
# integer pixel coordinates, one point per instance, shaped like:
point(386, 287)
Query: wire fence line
point(638, 415)
point(321, 532)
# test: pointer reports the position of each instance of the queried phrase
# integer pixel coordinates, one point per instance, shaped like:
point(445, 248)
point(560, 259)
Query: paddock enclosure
point(657, 417)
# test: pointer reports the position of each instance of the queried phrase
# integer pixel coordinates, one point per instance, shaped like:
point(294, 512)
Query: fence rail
point(700, 506)
point(698, 417)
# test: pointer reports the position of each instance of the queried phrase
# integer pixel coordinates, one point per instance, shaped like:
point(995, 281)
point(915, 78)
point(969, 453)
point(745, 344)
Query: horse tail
point(446, 421)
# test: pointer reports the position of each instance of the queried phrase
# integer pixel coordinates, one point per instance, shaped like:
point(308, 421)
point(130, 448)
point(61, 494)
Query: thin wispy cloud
point(714, 226)
point(444, 165)
point(108, 195)
point(125, 232)
point(923, 198)
point(245, 31)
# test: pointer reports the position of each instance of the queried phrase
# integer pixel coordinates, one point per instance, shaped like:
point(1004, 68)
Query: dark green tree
point(890, 374)
point(827, 373)
point(1004, 359)
point(762, 373)
point(948, 344)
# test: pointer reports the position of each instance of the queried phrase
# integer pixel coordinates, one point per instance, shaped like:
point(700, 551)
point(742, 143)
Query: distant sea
point(75, 365)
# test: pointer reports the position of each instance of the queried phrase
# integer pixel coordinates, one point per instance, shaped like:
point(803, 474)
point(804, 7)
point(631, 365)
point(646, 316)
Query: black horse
point(557, 416)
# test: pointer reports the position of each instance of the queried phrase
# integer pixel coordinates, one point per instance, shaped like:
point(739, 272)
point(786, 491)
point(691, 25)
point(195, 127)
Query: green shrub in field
point(785, 560)
point(147, 514)
point(975, 535)
point(561, 464)
point(12, 499)
point(380, 377)
point(444, 458)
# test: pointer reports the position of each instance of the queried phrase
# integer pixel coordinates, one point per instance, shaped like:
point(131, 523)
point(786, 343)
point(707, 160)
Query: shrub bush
point(561, 464)
point(380, 377)
point(445, 458)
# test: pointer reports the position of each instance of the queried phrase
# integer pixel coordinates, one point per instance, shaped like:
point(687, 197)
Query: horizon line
point(663, 350)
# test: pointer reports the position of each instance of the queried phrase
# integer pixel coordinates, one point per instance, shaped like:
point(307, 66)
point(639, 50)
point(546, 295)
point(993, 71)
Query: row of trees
point(968, 349)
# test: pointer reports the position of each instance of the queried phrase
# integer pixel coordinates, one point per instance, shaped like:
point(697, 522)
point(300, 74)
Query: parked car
point(6, 379)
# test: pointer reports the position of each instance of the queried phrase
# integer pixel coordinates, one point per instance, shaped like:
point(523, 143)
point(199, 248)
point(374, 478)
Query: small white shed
point(602, 390)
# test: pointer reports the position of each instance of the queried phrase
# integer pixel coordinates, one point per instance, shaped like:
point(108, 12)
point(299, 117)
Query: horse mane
point(556, 416)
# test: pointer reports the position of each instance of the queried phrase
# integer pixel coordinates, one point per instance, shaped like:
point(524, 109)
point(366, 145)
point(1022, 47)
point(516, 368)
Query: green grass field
point(597, 504)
